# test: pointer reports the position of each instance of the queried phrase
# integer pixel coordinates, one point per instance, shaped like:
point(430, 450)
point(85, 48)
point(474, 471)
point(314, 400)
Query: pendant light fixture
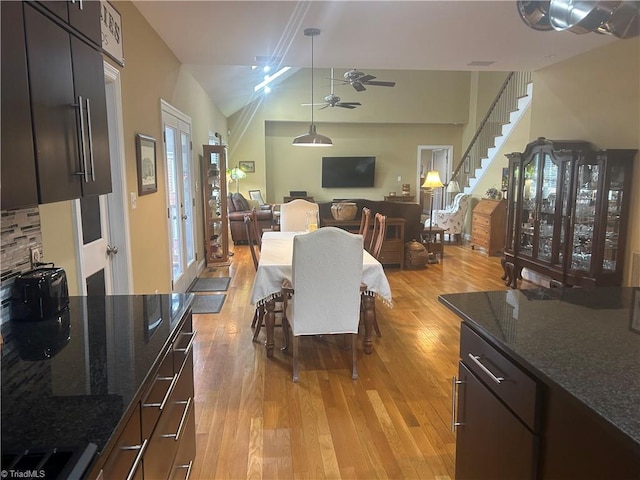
point(313, 138)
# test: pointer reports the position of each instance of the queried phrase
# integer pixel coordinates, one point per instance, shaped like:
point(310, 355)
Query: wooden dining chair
point(250, 225)
point(325, 288)
point(377, 237)
point(364, 225)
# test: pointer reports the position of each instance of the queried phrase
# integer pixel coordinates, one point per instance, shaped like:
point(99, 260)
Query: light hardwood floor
point(252, 421)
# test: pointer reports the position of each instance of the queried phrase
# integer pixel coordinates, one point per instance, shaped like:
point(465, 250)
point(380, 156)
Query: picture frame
point(634, 316)
point(467, 164)
point(247, 166)
point(257, 196)
point(147, 164)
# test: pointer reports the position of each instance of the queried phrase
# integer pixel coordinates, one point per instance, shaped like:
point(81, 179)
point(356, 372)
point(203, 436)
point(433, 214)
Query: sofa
point(237, 206)
point(409, 211)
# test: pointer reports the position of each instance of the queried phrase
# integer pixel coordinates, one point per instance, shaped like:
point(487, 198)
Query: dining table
point(275, 267)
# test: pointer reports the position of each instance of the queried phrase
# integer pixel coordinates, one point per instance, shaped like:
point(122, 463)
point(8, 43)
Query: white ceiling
point(219, 40)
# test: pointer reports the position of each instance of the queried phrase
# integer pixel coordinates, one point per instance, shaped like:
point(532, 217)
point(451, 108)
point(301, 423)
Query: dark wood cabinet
point(80, 15)
point(68, 105)
point(19, 187)
point(568, 211)
point(491, 442)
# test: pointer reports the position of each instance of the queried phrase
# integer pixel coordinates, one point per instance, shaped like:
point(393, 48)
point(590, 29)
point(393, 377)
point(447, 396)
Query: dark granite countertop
point(585, 341)
point(68, 381)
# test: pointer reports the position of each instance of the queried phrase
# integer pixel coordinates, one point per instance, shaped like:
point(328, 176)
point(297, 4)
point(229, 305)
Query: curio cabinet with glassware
point(568, 212)
point(214, 190)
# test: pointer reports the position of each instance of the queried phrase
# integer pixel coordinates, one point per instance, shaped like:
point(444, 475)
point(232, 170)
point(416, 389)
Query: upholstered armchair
point(237, 206)
point(451, 219)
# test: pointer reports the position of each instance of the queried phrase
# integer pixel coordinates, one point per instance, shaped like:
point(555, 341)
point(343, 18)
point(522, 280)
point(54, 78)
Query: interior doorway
point(434, 157)
point(102, 222)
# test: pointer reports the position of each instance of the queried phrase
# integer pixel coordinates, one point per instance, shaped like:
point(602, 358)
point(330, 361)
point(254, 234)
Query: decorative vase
point(344, 210)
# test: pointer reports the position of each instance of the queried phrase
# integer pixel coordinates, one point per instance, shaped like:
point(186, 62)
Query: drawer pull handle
point(183, 419)
point(136, 462)
point(476, 360)
point(188, 467)
point(186, 349)
point(454, 382)
point(162, 404)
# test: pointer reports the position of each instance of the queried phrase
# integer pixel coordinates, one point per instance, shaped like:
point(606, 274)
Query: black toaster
point(39, 294)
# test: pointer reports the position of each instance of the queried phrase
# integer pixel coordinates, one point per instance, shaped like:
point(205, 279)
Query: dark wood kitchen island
point(548, 384)
point(105, 389)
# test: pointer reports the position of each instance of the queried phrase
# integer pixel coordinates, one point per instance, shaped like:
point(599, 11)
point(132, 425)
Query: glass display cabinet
point(214, 190)
point(568, 210)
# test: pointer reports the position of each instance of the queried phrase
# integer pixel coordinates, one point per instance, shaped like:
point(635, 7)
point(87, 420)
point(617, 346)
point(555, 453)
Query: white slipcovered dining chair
point(325, 288)
point(451, 219)
point(293, 214)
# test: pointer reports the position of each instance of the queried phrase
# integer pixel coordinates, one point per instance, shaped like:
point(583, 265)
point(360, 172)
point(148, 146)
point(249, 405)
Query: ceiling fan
point(332, 100)
point(358, 80)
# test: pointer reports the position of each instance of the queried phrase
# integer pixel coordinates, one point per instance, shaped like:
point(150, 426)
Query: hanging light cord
point(312, 79)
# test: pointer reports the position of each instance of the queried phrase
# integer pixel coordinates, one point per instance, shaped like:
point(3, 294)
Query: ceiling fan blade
point(382, 84)
point(365, 78)
point(325, 106)
point(355, 104)
point(358, 86)
point(311, 104)
point(343, 105)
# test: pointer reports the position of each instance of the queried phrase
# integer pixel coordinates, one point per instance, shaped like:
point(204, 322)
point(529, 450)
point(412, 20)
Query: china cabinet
point(214, 189)
point(568, 211)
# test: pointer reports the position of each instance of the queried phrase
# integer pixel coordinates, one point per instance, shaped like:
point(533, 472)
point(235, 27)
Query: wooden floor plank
point(252, 421)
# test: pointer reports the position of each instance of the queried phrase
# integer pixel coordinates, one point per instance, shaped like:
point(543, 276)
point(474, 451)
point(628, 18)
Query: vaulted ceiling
point(220, 40)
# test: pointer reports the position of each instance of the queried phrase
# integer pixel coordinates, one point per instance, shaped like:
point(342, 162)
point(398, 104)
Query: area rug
point(208, 303)
point(215, 284)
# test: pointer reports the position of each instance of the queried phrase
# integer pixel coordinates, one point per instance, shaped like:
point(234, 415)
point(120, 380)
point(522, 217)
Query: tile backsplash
point(20, 231)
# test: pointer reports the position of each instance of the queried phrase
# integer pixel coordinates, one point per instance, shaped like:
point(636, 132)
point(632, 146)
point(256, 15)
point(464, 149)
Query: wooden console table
point(400, 198)
point(393, 246)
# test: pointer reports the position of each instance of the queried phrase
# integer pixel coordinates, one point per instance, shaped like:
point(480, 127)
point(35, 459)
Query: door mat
point(216, 284)
point(208, 303)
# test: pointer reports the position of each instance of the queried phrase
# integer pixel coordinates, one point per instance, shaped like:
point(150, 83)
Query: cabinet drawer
point(511, 384)
point(157, 399)
point(481, 220)
point(126, 455)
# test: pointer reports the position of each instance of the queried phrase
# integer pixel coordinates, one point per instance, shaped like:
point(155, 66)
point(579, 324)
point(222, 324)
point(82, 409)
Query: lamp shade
point(312, 139)
point(453, 187)
point(432, 180)
point(237, 173)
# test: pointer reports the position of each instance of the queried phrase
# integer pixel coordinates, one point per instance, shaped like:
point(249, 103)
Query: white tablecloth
point(275, 266)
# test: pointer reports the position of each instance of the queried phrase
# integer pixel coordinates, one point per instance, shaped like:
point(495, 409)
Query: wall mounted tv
point(341, 172)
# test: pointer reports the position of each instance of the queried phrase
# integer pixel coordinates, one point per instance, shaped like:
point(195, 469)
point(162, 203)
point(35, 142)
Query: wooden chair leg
point(258, 321)
point(295, 359)
point(354, 357)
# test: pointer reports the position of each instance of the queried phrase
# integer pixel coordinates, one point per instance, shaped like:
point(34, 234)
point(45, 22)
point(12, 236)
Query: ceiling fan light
point(312, 139)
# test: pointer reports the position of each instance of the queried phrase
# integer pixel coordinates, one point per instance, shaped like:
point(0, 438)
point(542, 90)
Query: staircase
point(503, 115)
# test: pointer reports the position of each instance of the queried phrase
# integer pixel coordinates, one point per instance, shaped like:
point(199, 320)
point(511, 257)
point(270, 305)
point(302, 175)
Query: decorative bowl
point(344, 210)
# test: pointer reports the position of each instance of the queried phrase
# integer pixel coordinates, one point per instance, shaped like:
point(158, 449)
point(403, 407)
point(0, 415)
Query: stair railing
point(506, 101)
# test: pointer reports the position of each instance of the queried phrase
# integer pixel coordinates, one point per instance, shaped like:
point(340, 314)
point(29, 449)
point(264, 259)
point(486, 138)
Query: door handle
point(90, 133)
point(83, 153)
point(112, 250)
point(184, 217)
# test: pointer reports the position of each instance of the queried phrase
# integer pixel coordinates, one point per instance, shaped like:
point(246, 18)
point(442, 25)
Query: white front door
point(180, 197)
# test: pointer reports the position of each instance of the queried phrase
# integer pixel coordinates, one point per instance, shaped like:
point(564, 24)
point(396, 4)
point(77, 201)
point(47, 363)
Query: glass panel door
point(528, 205)
point(584, 220)
point(180, 200)
point(546, 218)
point(613, 208)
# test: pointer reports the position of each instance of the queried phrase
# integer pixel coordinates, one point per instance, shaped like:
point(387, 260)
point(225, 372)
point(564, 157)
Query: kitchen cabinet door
point(491, 442)
point(82, 15)
point(18, 161)
point(89, 85)
point(52, 102)
point(69, 112)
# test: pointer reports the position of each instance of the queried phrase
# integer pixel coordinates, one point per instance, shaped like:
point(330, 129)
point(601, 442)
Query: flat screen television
point(341, 172)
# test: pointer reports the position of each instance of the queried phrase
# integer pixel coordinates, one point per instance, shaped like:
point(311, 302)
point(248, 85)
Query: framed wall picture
point(146, 159)
point(111, 29)
point(247, 167)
